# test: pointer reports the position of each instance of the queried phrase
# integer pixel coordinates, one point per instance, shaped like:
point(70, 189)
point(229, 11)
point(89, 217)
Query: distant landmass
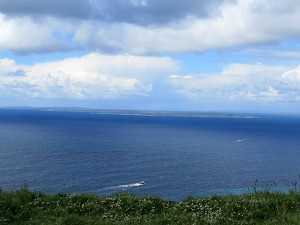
point(137, 112)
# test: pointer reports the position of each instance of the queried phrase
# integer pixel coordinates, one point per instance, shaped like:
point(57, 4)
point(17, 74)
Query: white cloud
point(6, 66)
point(242, 82)
point(246, 22)
point(293, 75)
point(139, 3)
point(92, 76)
point(24, 35)
point(240, 22)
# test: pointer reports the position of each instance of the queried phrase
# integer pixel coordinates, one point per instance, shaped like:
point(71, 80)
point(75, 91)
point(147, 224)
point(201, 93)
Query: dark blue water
point(79, 152)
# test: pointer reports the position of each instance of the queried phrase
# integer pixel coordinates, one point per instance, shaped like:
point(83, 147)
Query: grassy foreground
point(29, 208)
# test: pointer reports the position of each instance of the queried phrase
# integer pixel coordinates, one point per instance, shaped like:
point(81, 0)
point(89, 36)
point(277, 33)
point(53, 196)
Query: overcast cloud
point(146, 12)
point(60, 8)
point(119, 26)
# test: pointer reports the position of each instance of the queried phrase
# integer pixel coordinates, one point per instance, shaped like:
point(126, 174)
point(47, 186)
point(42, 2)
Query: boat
point(142, 183)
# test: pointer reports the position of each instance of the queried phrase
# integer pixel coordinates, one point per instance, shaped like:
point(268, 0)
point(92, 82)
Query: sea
point(176, 155)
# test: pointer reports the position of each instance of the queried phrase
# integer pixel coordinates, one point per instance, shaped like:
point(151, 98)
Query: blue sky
point(192, 55)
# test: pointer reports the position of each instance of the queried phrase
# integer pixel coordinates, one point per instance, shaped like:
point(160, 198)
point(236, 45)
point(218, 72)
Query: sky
point(191, 55)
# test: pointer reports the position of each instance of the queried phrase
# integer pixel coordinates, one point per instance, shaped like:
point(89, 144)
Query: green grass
point(30, 208)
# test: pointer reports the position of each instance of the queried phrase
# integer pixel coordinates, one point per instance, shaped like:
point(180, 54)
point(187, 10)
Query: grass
point(30, 208)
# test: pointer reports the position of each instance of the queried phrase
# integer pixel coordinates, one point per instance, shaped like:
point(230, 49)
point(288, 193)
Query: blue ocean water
point(84, 152)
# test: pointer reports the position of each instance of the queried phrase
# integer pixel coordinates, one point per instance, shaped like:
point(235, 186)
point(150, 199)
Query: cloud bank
point(241, 82)
point(144, 26)
point(96, 76)
point(92, 76)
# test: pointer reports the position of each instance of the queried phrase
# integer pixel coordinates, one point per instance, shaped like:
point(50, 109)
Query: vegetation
point(30, 208)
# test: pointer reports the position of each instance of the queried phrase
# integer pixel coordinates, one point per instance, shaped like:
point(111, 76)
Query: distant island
point(138, 112)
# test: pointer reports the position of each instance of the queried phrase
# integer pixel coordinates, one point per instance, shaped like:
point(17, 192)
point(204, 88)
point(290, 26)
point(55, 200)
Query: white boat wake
point(241, 140)
point(123, 186)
